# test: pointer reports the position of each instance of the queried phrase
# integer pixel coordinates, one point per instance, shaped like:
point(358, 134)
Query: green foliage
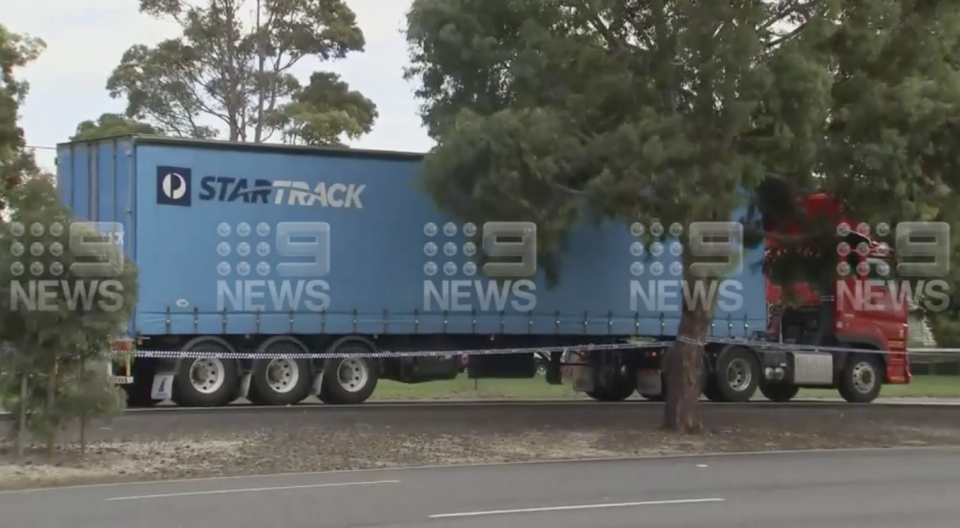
point(946, 330)
point(16, 51)
point(550, 111)
point(37, 203)
point(240, 77)
point(637, 110)
point(80, 391)
point(108, 125)
point(55, 332)
point(888, 153)
point(946, 325)
point(324, 111)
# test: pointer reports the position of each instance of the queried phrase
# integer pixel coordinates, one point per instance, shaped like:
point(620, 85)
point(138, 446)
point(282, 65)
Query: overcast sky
point(85, 39)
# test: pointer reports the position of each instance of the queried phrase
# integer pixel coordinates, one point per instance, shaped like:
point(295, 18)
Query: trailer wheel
point(654, 397)
point(779, 392)
point(138, 395)
point(348, 381)
point(737, 376)
point(662, 396)
point(279, 381)
point(712, 393)
point(541, 367)
point(618, 392)
point(140, 391)
point(861, 378)
point(206, 382)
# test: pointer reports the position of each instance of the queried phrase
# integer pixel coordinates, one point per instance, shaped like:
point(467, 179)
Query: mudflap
point(245, 385)
point(162, 387)
point(649, 381)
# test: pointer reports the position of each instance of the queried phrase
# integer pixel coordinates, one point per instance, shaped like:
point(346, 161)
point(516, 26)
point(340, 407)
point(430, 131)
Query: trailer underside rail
point(761, 346)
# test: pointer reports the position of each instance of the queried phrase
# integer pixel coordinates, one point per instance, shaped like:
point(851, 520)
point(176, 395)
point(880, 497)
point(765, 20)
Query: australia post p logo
point(174, 186)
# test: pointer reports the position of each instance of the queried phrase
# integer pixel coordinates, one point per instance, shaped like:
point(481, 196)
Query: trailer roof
point(345, 152)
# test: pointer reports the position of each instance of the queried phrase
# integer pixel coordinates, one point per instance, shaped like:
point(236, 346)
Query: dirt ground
point(184, 444)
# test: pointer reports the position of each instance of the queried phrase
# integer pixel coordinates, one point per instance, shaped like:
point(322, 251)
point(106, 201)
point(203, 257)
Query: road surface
point(847, 489)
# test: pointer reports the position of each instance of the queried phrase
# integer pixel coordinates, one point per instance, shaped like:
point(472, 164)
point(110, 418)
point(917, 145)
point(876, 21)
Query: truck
point(273, 273)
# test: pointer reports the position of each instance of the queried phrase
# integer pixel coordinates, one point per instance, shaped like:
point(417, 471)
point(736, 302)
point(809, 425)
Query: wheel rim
point(352, 374)
point(282, 375)
point(864, 378)
point(739, 375)
point(207, 375)
point(541, 370)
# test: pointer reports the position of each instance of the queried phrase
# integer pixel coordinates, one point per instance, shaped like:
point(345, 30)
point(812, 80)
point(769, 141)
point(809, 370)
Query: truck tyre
point(862, 378)
point(206, 382)
point(541, 367)
point(348, 381)
point(737, 376)
point(279, 381)
point(654, 397)
point(711, 391)
point(618, 392)
point(139, 392)
point(779, 392)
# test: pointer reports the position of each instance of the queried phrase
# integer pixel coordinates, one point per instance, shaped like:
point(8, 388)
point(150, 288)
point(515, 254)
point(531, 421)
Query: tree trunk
point(51, 410)
point(233, 98)
point(83, 412)
point(684, 361)
point(22, 418)
point(261, 67)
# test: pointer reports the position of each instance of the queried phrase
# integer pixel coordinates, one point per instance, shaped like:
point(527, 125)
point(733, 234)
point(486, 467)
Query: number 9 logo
point(525, 249)
point(928, 243)
point(304, 239)
point(96, 240)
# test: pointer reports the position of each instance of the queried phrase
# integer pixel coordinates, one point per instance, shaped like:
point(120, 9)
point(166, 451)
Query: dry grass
point(309, 447)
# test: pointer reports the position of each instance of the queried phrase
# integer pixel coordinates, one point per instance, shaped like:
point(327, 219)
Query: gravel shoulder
point(189, 444)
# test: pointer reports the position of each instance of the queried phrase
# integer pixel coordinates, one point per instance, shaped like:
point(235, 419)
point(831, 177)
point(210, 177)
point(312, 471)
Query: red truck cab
point(864, 312)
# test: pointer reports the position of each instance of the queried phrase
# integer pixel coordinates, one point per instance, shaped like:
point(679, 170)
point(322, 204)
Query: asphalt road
point(847, 489)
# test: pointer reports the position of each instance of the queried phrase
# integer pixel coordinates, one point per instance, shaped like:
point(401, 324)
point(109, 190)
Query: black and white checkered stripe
point(181, 354)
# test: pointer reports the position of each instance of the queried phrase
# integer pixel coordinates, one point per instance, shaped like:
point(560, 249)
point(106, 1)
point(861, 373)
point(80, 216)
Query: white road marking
point(275, 488)
point(577, 507)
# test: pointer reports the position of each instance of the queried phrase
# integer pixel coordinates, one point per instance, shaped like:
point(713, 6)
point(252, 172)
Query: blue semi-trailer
point(269, 257)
